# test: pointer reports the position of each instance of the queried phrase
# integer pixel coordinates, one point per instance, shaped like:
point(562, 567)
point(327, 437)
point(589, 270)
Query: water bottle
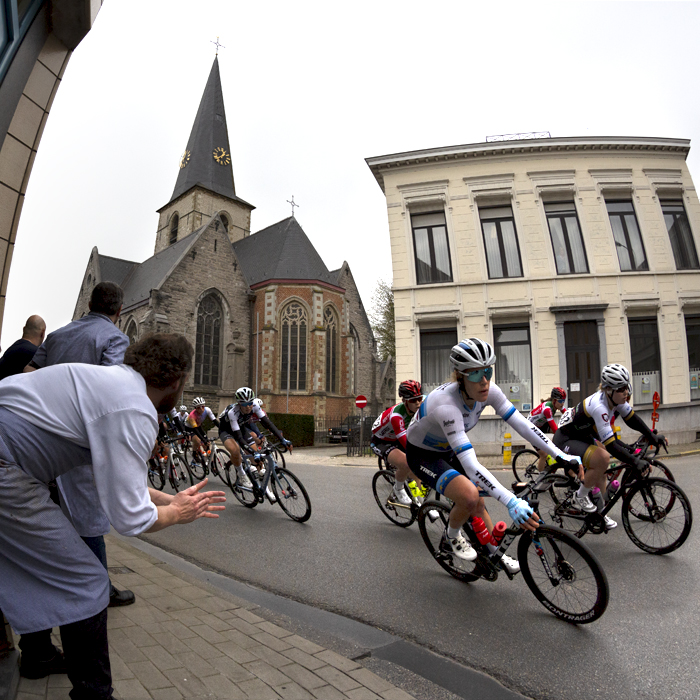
point(481, 531)
point(499, 530)
point(613, 486)
point(597, 498)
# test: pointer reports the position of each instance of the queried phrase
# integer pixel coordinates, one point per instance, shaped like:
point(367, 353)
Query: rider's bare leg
point(542, 461)
point(465, 497)
point(234, 450)
point(598, 462)
point(397, 459)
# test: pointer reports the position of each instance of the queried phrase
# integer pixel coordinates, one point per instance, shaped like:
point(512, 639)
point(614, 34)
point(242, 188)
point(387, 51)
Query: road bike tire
point(382, 488)
point(182, 477)
point(279, 457)
point(291, 495)
point(432, 530)
point(246, 498)
point(525, 465)
point(223, 466)
point(156, 475)
point(657, 516)
point(555, 511)
point(579, 592)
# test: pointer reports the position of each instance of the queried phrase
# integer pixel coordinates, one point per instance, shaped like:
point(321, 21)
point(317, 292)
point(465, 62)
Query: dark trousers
point(97, 545)
point(86, 652)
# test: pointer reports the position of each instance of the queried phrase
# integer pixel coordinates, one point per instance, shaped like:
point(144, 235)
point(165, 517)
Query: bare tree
point(381, 318)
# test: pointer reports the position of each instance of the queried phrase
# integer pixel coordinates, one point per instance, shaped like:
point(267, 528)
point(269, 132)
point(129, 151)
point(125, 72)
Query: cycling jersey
point(443, 421)
point(391, 424)
point(592, 419)
point(236, 419)
point(543, 416)
point(195, 421)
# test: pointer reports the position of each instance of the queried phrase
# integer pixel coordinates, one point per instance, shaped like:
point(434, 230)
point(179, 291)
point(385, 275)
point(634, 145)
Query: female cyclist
point(439, 451)
point(586, 431)
point(543, 417)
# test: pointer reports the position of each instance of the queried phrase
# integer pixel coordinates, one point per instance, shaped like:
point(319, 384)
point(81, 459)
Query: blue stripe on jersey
point(437, 443)
point(463, 447)
point(423, 409)
point(510, 413)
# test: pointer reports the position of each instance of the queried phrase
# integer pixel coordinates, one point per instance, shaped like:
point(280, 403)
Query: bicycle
point(656, 513)
point(559, 569)
point(288, 490)
point(174, 467)
point(214, 459)
point(399, 514)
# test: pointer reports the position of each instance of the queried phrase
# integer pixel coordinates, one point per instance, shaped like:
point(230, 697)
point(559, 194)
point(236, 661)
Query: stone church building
point(261, 309)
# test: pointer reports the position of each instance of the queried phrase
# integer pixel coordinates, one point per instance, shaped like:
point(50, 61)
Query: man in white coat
point(52, 421)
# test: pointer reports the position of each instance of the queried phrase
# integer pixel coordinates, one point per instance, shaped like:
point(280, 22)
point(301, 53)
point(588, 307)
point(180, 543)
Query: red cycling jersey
point(542, 415)
point(391, 425)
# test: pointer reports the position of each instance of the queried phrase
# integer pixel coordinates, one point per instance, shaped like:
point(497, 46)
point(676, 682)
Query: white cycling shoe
point(512, 566)
point(270, 494)
point(610, 524)
point(459, 547)
point(584, 503)
point(400, 496)
point(243, 479)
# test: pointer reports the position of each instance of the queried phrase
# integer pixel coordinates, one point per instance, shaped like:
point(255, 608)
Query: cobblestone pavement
point(185, 641)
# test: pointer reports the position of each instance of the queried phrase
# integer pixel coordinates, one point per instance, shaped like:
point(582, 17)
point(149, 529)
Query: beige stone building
point(565, 253)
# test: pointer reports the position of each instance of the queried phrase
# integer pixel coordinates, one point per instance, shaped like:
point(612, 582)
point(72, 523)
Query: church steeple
point(204, 184)
point(207, 159)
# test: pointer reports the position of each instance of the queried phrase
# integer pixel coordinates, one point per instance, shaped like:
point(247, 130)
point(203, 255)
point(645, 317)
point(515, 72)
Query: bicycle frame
point(259, 489)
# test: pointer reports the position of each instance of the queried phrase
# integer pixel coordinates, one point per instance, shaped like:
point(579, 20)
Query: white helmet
point(615, 376)
point(472, 353)
point(245, 395)
point(183, 409)
point(199, 401)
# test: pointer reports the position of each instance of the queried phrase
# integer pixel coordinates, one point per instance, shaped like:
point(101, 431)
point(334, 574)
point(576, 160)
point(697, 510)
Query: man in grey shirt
point(93, 339)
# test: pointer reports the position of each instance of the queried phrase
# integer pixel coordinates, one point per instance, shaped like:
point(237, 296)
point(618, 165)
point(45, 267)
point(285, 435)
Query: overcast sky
point(313, 88)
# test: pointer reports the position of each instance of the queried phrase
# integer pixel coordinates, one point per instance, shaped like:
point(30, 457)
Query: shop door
point(582, 360)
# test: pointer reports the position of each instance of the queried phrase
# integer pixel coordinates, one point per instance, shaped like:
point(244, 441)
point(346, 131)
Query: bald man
point(19, 354)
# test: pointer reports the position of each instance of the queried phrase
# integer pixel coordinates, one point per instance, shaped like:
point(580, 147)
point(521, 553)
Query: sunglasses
point(245, 404)
point(478, 374)
point(418, 399)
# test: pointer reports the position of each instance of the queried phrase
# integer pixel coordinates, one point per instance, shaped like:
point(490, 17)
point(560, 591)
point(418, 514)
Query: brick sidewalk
point(185, 641)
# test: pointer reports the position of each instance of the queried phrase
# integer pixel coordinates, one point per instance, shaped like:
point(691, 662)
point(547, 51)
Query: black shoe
point(33, 669)
point(118, 598)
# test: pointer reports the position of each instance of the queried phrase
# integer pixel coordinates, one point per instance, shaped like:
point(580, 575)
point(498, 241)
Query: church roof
point(281, 252)
point(207, 160)
point(114, 269)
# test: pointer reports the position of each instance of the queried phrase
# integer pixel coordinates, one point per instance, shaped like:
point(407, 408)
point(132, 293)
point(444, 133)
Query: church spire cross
point(293, 203)
point(218, 45)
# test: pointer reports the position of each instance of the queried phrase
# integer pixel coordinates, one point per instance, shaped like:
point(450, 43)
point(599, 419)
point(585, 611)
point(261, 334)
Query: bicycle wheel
point(660, 471)
point(564, 575)
point(244, 495)
point(525, 465)
point(279, 457)
point(661, 515)
point(156, 475)
point(556, 509)
point(198, 468)
point(291, 495)
point(432, 521)
point(223, 466)
point(383, 490)
point(179, 474)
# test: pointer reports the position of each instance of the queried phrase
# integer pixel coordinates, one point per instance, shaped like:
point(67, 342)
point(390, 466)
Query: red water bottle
point(499, 530)
point(481, 531)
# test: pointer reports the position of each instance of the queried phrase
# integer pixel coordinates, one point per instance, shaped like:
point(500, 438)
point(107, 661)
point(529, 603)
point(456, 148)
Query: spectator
point(52, 422)
point(18, 355)
point(93, 339)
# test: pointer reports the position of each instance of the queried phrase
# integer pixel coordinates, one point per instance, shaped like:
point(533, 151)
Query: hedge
point(297, 428)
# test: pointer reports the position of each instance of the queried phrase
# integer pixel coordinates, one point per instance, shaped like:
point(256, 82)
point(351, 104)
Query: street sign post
point(361, 402)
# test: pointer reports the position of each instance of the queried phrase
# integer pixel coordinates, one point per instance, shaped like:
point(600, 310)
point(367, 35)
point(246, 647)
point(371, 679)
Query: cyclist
point(235, 431)
point(183, 413)
point(543, 417)
point(389, 435)
point(586, 431)
point(199, 422)
point(439, 452)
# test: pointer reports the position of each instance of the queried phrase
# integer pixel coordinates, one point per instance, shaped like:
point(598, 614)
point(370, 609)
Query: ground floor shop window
point(435, 367)
point(514, 364)
point(646, 359)
point(692, 334)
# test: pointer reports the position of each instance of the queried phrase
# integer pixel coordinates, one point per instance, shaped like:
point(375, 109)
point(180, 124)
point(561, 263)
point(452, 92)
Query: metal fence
point(359, 436)
point(345, 430)
point(330, 430)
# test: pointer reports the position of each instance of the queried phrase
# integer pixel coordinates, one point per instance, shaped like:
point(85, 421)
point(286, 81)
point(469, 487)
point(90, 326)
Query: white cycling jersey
point(443, 421)
point(593, 418)
point(235, 418)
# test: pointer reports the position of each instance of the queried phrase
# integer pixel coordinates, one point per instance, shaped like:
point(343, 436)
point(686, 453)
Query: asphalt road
point(351, 560)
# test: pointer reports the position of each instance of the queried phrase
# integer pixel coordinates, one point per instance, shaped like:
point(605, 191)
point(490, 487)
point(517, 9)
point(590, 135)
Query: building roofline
point(379, 164)
point(296, 282)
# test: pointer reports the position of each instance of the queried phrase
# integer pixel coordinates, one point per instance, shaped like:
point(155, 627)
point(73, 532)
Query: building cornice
point(498, 149)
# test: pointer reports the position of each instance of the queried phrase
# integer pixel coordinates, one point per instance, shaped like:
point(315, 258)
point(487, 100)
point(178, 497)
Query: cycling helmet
point(615, 376)
point(558, 394)
point(472, 353)
point(199, 401)
point(183, 408)
point(245, 395)
point(410, 389)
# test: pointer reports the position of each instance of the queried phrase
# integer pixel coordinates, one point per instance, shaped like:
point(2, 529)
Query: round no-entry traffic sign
point(361, 401)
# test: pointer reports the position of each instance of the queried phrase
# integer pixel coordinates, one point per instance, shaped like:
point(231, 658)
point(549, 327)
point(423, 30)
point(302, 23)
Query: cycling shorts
point(578, 448)
point(246, 432)
point(382, 448)
point(437, 469)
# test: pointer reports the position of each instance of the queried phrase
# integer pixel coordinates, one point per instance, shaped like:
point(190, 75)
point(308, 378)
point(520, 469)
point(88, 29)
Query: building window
point(435, 367)
point(692, 335)
point(501, 242)
point(132, 332)
point(567, 243)
point(331, 326)
point(293, 367)
point(514, 364)
point(431, 248)
point(680, 234)
point(628, 239)
point(208, 341)
point(646, 359)
point(173, 228)
point(225, 222)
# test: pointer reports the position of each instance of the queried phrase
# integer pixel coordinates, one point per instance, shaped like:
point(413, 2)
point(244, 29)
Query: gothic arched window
point(208, 343)
point(225, 222)
point(293, 350)
point(132, 332)
point(174, 222)
point(330, 323)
